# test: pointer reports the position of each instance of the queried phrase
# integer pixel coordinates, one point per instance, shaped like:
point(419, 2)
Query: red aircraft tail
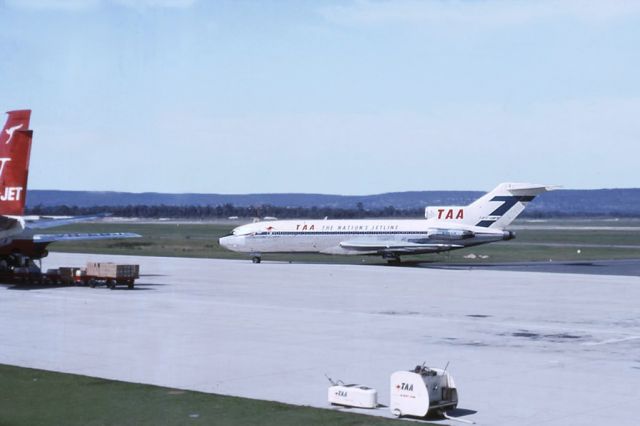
point(17, 120)
point(14, 172)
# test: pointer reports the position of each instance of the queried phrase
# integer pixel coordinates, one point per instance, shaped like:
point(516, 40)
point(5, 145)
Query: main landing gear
point(256, 259)
point(18, 260)
point(392, 259)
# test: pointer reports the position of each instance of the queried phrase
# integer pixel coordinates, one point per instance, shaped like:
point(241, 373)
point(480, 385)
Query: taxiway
point(524, 348)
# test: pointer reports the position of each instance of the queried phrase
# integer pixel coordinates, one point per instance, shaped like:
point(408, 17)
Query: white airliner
point(444, 228)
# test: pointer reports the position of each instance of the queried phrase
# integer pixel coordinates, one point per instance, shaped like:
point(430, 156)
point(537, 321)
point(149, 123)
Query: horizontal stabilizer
point(46, 223)
point(529, 188)
point(52, 238)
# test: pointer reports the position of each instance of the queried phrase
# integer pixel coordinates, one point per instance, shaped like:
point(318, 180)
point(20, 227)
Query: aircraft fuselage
point(353, 237)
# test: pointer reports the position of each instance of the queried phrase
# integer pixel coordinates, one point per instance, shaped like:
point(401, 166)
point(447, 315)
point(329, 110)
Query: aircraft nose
point(224, 241)
point(231, 241)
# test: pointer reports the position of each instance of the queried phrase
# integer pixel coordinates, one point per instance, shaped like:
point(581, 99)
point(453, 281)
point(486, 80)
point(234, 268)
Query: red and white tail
point(17, 120)
point(15, 150)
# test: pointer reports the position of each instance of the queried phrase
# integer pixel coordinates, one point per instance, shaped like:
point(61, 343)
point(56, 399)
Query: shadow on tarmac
point(621, 267)
point(624, 267)
point(14, 286)
point(28, 287)
point(431, 416)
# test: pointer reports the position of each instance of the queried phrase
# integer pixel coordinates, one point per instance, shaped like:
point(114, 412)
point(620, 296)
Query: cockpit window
point(241, 231)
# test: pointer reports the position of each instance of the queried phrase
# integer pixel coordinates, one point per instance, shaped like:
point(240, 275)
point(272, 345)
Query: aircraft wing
point(396, 246)
point(52, 238)
point(53, 223)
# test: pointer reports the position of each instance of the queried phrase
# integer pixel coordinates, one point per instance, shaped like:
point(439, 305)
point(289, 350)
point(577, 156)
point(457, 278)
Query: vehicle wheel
point(256, 259)
point(396, 412)
point(92, 283)
point(130, 285)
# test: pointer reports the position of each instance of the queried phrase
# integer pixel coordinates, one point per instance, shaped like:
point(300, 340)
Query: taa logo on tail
point(451, 214)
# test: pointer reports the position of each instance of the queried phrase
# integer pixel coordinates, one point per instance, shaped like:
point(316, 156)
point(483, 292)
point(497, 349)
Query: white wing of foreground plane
point(50, 222)
point(52, 238)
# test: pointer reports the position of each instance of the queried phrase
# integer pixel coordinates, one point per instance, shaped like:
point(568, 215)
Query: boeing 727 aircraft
point(444, 228)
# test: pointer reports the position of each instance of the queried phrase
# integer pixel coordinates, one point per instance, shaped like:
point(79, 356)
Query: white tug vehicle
point(422, 390)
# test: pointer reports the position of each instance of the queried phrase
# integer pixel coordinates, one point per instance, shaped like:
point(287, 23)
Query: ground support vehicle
point(108, 274)
point(94, 274)
point(65, 275)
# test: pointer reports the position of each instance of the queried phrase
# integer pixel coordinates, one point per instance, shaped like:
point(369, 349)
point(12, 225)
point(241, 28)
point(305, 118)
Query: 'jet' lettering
point(11, 193)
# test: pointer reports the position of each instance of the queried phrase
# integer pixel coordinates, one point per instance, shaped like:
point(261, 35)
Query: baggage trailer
point(109, 274)
point(96, 273)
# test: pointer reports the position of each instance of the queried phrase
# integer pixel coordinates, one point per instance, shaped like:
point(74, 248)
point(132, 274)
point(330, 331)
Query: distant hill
point(399, 200)
point(596, 202)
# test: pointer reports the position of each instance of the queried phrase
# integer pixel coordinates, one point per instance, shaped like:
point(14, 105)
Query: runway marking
point(606, 342)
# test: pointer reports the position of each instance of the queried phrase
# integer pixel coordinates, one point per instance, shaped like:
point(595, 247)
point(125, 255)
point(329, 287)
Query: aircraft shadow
point(411, 264)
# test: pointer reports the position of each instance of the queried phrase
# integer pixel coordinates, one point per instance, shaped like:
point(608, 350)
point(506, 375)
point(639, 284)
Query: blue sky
point(352, 97)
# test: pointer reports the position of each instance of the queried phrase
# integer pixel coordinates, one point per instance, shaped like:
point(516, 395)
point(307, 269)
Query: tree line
point(223, 211)
point(229, 210)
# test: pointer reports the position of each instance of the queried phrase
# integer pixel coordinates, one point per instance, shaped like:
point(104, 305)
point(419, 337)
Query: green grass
point(603, 237)
point(162, 239)
point(201, 240)
point(34, 397)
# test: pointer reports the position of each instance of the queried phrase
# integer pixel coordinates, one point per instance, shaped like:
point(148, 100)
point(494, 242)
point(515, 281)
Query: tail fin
point(14, 172)
point(495, 209)
point(16, 120)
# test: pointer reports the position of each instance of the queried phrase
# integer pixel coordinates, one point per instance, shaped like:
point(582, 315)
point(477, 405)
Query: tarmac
point(628, 267)
point(526, 348)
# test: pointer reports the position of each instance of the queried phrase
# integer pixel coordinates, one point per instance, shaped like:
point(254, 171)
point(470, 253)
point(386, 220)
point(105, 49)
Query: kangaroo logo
point(10, 131)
